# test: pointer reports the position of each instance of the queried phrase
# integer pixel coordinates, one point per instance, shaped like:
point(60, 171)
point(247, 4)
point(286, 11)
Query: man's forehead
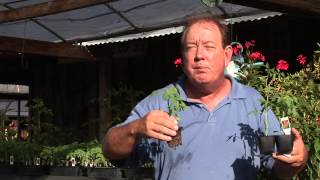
point(204, 28)
point(205, 25)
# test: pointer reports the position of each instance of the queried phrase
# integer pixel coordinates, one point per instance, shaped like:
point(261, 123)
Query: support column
point(105, 85)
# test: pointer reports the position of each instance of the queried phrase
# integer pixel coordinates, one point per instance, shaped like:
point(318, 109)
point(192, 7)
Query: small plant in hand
point(175, 105)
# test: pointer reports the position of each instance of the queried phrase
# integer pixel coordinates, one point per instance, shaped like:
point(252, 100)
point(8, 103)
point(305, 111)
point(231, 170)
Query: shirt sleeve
point(142, 150)
point(137, 158)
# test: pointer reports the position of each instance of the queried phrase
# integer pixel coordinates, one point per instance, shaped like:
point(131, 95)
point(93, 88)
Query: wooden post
point(105, 80)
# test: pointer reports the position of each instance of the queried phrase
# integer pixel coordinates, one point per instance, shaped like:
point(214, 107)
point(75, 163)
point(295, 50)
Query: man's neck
point(210, 95)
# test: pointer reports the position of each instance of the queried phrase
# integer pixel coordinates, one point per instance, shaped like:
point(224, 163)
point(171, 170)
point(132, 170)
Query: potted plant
point(283, 142)
point(269, 81)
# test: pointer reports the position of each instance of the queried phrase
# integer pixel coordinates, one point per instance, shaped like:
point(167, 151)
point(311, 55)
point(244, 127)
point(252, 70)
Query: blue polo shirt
point(218, 144)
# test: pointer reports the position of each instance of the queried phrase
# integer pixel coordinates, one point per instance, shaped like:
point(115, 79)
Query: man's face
point(204, 55)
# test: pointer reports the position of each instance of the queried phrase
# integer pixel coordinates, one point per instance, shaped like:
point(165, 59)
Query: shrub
point(295, 95)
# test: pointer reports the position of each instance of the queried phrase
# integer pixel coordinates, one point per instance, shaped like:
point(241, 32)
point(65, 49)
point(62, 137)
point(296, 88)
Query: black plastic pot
point(31, 170)
point(266, 144)
point(6, 169)
point(104, 172)
point(66, 171)
point(138, 173)
point(284, 143)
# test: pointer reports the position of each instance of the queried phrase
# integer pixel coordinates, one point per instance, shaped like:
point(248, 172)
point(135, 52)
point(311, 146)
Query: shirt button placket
point(211, 117)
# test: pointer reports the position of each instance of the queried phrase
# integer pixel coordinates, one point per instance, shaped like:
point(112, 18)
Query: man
point(219, 128)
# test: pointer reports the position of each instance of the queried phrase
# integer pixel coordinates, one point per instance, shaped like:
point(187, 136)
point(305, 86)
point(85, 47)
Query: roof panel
point(100, 21)
point(27, 30)
point(95, 21)
point(18, 4)
point(166, 12)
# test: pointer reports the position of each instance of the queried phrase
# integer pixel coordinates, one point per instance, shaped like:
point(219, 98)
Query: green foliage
point(297, 96)
point(120, 102)
point(176, 104)
point(3, 119)
point(22, 151)
point(25, 153)
point(53, 135)
point(44, 132)
point(84, 153)
point(48, 142)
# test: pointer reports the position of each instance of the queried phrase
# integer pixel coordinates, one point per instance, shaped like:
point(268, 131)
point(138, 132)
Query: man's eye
point(209, 47)
point(190, 46)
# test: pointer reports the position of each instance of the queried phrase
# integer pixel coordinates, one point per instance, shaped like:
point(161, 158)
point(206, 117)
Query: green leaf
point(175, 103)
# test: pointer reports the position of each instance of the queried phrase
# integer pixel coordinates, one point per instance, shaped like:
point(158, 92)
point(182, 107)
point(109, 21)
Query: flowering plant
point(178, 62)
point(295, 95)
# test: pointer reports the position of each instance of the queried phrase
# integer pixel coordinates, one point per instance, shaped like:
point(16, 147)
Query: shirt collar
point(237, 89)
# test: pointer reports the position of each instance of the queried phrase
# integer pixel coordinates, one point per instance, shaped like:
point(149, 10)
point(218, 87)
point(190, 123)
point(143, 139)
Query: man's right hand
point(159, 125)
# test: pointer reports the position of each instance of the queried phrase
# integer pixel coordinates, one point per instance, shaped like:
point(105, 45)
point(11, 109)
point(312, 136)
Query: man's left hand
point(299, 154)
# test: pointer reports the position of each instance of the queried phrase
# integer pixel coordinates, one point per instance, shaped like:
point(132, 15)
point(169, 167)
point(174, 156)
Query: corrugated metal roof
point(174, 30)
point(156, 33)
point(255, 17)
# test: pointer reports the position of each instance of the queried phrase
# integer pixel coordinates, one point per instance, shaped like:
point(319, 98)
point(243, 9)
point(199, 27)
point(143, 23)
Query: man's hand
point(159, 125)
point(295, 162)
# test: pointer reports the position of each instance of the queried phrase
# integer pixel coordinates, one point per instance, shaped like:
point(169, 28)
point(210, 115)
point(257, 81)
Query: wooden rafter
point(286, 6)
point(63, 50)
point(48, 8)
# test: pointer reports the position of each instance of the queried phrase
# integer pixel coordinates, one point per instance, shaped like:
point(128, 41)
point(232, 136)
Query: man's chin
point(205, 81)
point(202, 82)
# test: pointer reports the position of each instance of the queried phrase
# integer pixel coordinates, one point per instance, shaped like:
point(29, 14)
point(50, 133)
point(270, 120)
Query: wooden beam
point(44, 9)
point(300, 7)
point(62, 50)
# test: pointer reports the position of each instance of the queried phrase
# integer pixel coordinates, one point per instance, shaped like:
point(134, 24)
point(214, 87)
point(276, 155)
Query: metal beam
point(44, 9)
point(62, 50)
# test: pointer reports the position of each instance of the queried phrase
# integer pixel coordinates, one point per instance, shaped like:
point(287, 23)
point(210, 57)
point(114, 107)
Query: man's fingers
point(158, 124)
point(292, 160)
point(165, 130)
point(160, 136)
point(286, 159)
point(283, 158)
point(299, 154)
point(170, 123)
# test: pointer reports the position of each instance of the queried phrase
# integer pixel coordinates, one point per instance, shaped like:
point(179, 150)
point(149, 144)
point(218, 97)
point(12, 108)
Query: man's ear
point(227, 55)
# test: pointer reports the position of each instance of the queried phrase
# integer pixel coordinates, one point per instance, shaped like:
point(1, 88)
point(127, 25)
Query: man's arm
point(119, 141)
point(289, 166)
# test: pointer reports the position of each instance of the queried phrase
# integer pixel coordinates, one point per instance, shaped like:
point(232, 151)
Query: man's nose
point(199, 54)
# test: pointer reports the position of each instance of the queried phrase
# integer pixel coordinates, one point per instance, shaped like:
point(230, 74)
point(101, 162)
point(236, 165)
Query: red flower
point(257, 56)
point(282, 65)
point(249, 44)
point(302, 59)
point(318, 120)
point(178, 62)
point(236, 49)
point(13, 125)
